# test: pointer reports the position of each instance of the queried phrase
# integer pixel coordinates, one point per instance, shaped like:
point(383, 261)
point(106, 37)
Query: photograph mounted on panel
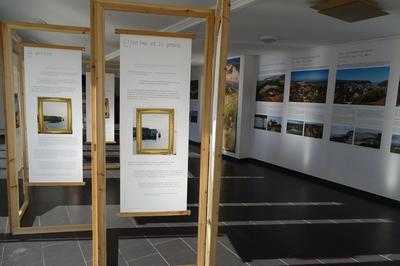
point(309, 86)
point(231, 104)
point(107, 108)
point(362, 86)
point(342, 134)
point(194, 89)
point(17, 111)
point(193, 116)
point(365, 137)
point(313, 130)
point(274, 124)
point(395, 145)
point(54, 115)
point(271, 88)
point(154, 131)
point(260, 122)
point(295, 127)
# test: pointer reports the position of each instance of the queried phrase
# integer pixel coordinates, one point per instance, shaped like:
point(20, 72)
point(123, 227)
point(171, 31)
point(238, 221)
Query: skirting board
point(153, 214)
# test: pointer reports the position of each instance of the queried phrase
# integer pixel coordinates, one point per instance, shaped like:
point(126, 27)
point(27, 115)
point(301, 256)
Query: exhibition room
point(187, 132)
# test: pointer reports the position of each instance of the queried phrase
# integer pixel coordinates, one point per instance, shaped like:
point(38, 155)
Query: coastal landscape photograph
point(274, 124)
point(342, 134)
point(295, 127)
point(313, 130)
point(309, 86)
point(370, 138)
point(362, 86)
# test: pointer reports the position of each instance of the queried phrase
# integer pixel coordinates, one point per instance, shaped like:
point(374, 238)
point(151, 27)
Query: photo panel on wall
point(309, 86)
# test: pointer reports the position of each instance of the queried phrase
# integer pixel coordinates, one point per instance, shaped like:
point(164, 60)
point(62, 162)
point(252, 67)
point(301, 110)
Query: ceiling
point(292, 22)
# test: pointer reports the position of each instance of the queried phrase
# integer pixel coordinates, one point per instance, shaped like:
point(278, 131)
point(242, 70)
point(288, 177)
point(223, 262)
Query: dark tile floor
point(268, 217)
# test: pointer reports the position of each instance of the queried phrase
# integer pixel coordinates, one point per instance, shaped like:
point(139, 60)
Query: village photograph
point(271, 88)
point(362, 86)
point(309, 86)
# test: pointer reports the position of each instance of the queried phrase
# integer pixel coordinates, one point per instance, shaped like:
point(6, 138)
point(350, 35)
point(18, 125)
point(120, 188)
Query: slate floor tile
point(151, 259)
point(22, 254)
point(176, 252)
point(135, 248)
point(66, 254)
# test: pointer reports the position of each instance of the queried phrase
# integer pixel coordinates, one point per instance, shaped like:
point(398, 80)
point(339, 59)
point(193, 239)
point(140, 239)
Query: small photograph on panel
point(193, 116)
point(395, 146)
point(154, 131)
point(260, 122)
point(342, 134)
point(365, 137)
point(194, 90)
point(274, 124)
point(362, 86)
point(54, 115)
point(271, 88)
point(309, 86)
point(295, 127)
point(107, 109)
point(313, 130)
point(17, 112)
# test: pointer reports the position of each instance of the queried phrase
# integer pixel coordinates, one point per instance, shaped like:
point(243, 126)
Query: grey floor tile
point(225, 257)
point(135, 248)
point(191, 241)
point(176, 252)
point(151, 259)
point(86, 246)
point(22, 254)
point(269, 262)
point(55, 216)
point(67, 254)
point(337, 260)
point(299, 261)
point(80, 214)
point(113, 221)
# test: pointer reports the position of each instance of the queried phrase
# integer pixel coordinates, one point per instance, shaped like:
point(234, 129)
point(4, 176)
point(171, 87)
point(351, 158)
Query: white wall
point(373, 170)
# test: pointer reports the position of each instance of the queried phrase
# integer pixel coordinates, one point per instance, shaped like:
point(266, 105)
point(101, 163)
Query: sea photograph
point(309, 86)
point(193, 116)
point(370, 138)
point(395, 146)
point(194, 89)
point(56, 116)
point(271, 88)
point(342, 134)
point(295, 127)
point(274, 124)
point(260, 122)
point(313, 130)
point(362, 86)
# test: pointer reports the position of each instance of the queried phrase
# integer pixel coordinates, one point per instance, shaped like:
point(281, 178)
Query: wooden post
point(205, 138)
point(219, 77)
point(99, 226)
point(10, 126)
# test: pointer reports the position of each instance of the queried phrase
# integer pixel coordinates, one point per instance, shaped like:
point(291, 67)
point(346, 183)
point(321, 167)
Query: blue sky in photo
point(310, 75)
point(296, 122)
point(396, 140)
point(373, 74)
point(234, 60)
point(276, 119)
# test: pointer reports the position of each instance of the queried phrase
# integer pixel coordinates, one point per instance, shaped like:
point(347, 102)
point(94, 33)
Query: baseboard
point(347, 189)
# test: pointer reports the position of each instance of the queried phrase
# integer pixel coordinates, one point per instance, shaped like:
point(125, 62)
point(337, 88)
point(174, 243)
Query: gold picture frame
point(107, 108)
point(42, 129)
point(139, 122)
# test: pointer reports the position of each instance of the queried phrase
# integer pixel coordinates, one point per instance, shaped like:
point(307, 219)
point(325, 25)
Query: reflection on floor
point(267, 218)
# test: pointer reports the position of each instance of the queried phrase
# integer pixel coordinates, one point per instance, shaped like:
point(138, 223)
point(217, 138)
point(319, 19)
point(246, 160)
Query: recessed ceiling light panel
point(350, 10)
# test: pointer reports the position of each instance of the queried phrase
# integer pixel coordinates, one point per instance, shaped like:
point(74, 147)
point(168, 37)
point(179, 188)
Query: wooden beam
point(155, 33)
point(205, 138)
point(53, 229)
point(10, 130)
point(214, 185)
point(152, 214)
point(47, 27)
point(115, 5)
point(99, 226)
point(53, 46)
point(109, 166)
point(56, 184)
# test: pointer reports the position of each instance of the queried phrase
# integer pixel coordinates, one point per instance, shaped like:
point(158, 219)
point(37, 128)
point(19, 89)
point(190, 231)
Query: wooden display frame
point(16, 213)
point(216, 24)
